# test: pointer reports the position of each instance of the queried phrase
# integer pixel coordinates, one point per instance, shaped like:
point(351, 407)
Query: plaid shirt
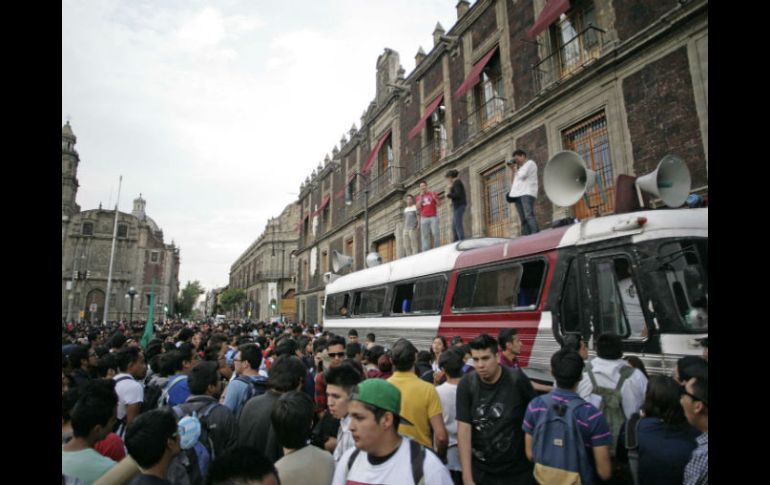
point(320, 392)
point(697, 470)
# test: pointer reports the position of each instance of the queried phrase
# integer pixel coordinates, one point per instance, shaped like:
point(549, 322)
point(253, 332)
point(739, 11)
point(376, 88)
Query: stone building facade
point(266, 270)
point(141, 255)
point(620, 82)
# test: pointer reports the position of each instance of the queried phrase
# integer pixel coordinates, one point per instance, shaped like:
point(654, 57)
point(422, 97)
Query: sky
point(216, 111)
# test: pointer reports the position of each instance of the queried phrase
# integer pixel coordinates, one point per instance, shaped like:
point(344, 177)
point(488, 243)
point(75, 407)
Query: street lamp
point(131, 295)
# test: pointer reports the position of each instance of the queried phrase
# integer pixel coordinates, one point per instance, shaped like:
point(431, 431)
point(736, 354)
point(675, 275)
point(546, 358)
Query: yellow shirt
point(419, 403)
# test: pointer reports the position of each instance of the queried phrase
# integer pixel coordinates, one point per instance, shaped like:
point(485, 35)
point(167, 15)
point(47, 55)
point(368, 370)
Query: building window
point(437, 135)
point(387, 249)
point(88, 229)
point(154, 257)
point(122, 230)
point(590, 139)
point(577, 37)
point(488, 94)
point(497, 217)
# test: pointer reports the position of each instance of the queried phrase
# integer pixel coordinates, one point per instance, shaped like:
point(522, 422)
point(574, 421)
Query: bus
point(640, 275)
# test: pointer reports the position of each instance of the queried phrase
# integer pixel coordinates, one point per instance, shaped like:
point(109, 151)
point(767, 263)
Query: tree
point(231, 298)
point(187, 298)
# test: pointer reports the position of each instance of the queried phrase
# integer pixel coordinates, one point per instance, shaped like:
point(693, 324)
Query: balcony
point(379, 186)
point(488, 115)
point(431, 153)
point(571, 57)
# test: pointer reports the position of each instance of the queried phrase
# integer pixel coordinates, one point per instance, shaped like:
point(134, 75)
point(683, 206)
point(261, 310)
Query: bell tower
point(69, 170)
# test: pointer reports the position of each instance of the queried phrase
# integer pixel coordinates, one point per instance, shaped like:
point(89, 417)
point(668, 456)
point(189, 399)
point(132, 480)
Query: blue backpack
point(557, 447)
point(191, 466)
point(255, 388)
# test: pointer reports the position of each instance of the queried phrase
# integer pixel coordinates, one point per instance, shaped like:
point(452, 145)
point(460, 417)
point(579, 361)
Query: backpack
point(120, 424)
point(557, 447)
point(632, 445)
point(163, 399)
point(255, 388)
point(417, 456)
point(191, 466)
point(612, 403)
point(152, 395)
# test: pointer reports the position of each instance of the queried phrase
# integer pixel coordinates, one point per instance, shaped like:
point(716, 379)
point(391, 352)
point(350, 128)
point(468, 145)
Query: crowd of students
point(262, 403)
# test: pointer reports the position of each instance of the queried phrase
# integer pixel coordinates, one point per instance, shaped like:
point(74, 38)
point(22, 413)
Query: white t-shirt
point(396, 471)
point(525, 182)
point(448, 394)
point(607, 374)
point(129, 392)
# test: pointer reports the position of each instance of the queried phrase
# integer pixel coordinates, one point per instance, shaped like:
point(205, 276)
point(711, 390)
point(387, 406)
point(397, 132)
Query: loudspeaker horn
point(670, 181)
point(373, 259)
point(566, 178)
point(340, 261)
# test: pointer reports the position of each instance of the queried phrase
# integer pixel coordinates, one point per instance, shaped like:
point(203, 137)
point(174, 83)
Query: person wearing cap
point(421, 404)
point(381, 455)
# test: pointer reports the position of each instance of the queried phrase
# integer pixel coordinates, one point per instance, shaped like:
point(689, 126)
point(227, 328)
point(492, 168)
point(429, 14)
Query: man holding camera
point(524, 190)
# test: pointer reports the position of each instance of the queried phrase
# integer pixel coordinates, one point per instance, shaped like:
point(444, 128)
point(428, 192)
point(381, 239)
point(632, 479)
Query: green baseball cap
point(382, 394)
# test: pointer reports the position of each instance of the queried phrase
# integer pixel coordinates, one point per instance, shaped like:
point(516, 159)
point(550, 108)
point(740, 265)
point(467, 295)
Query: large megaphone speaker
point(340, 261)
point(566, 178)
point(373, 259)
point(670, 182)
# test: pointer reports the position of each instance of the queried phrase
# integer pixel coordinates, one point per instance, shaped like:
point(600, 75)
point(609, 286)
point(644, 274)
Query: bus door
point(617, 301)
point(571, 312)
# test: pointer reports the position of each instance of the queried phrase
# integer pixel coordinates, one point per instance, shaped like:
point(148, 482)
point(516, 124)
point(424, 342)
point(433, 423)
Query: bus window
point(370, 302)
point(619, 304)
point(428, 294)
point(569, 312)
point(488, 289)
point(337, 305)
point(684, 265)
point(404, 294)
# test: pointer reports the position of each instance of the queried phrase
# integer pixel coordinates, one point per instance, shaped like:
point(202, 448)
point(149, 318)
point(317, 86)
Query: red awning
point(324, 203)
point(473, 77)
point(428, 111)
point(373, 154)
point(550, 14)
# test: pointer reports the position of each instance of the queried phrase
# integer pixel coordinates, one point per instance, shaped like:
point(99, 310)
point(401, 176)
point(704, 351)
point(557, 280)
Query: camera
point(509, 161)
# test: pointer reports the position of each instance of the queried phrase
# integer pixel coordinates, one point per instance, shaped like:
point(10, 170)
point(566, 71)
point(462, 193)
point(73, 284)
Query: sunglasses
point(683, 392)
point(336, 354)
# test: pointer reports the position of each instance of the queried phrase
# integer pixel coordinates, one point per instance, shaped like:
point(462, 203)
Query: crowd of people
point(233, 402)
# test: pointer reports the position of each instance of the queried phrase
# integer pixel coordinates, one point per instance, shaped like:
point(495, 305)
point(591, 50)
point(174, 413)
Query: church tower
point(69, 170)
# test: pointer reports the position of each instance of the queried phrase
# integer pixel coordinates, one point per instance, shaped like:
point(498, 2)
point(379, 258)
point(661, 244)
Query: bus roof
point(438, 260)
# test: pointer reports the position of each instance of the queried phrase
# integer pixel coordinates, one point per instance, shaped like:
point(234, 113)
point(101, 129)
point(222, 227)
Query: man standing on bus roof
point(427, 204)
point(524, 190)
point(456, 192)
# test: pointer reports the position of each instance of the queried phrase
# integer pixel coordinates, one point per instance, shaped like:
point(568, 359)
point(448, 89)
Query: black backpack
point(417, 453)
point(255, 388)
point(632, 445)
point(152, 394)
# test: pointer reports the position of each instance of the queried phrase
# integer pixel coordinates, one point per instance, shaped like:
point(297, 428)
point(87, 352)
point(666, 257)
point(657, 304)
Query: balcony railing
point(378, 187)
point(431, 153)
point(488, 115)
point(569, 58)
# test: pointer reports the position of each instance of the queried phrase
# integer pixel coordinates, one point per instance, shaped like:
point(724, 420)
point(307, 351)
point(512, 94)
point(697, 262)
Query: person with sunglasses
point(335, 349)
point(694, 400)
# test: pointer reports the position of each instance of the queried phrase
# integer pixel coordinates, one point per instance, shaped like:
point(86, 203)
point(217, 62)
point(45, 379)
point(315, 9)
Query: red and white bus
point(641, 275)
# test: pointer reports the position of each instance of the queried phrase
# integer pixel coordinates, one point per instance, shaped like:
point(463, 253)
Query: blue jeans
point(457, 223)
point(428, 226)
point(526, 207)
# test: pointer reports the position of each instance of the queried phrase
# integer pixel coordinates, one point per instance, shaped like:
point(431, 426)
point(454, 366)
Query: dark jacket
point(457, 193)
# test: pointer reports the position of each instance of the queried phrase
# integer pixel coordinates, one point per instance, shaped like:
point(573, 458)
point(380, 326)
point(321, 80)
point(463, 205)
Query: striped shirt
point(591, 422)
point(697, 470)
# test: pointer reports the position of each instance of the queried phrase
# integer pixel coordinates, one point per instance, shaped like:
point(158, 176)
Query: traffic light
point(272, 304)
point(165, 309)
point(75, 275)
point(88, 274)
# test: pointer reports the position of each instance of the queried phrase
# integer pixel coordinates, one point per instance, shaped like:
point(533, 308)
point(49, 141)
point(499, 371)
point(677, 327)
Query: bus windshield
point(685, 267)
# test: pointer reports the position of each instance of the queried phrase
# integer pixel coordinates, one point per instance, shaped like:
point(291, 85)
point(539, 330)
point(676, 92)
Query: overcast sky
point(216, 111)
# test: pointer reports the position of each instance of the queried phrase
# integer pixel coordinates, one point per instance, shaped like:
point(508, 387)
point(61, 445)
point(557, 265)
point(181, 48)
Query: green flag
point(149, 328)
